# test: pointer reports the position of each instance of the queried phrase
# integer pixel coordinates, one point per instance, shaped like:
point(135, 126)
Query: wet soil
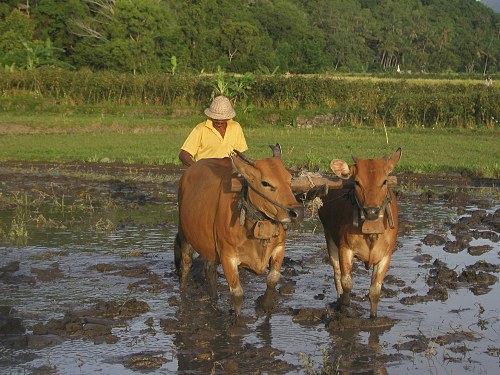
point(201, 333)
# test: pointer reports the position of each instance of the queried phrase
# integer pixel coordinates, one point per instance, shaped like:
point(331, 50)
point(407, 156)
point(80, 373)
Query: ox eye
point(267, 185)
point(356, 182)
point(384, 183)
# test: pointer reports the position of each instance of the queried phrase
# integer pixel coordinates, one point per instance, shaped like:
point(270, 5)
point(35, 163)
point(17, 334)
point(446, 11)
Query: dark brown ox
point(235, 228)
point(361, 223)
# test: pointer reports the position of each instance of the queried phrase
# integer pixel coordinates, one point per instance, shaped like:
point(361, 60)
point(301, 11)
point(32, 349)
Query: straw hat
point(220, 109)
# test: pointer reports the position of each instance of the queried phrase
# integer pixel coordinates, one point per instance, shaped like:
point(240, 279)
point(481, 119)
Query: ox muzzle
point(296, 213)
point(373, 213)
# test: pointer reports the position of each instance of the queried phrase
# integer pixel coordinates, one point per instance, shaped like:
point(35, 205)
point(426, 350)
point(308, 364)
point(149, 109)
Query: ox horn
point(245, 158)
point(276, 150)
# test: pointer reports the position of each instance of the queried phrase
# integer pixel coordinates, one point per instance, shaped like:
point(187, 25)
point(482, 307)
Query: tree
point(298, 44)
point(54, 21)
point(124, 35)
point(15, 33)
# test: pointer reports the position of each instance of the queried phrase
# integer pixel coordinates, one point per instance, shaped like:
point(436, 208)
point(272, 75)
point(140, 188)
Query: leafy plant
point(173, 63)
point(42, 53)
point(234, 87)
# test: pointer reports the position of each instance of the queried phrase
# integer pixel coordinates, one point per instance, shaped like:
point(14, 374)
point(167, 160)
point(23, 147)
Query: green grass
point(156, 138)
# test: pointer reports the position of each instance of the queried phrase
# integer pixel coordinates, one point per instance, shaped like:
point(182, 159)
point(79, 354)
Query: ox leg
point(211, 275)
point(333, 255)
point(378, 275)
point(177, 252)
point(273, 277)
point(230, 268)
point(346, 259)
point(186, 251)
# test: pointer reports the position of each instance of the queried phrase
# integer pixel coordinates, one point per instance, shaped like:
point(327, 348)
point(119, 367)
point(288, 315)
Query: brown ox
point(361, 223)
point(235, 228)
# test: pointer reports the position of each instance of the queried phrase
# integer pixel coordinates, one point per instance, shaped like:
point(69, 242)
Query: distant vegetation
point(259, 36)
point(287, 100)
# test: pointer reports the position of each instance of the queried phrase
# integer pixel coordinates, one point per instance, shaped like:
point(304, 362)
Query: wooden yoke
point(304, 183)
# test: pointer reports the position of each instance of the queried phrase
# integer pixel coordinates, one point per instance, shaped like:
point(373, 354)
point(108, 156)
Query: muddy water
point(120, 280)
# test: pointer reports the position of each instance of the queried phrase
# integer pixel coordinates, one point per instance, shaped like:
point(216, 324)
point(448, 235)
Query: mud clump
point(393, 280)
point(153, 284)
point(126, 271)
point(423, 258)
point(456, 198)
point(487, 235)
point(89, 324)
point(8, 275)
point(75, 326)
point(418, 344)
point(48, 274)
point(150, 282)
point(428, 196)
point(442, 275)
point(10, 268)
point(129, 309)
point(479, 250)
point(144, 361)
point(362, 324)
point(421, 343)
point(477, 278)
point(434, 240)
point(309, 315)
point(10, 325)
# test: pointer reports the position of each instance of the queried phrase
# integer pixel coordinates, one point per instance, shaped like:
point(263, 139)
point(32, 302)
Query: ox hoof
point(340, 307)
point(345, 299)
point(265, 302)
point(238, 329)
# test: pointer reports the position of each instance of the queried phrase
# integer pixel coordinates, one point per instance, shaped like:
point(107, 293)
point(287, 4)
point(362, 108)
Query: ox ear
point(341, 169)
point(392, 161)
point(276, 150)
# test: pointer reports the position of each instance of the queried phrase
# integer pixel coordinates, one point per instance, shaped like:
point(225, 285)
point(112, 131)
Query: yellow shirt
point(206, 142)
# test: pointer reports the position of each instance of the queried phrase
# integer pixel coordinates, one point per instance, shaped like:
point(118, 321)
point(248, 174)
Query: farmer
point(216, 137)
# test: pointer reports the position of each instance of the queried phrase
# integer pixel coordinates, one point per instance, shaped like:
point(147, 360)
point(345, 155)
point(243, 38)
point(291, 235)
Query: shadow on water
point(95, 276)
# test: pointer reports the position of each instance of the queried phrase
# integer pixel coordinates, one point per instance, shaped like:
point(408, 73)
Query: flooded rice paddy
point(90, 287)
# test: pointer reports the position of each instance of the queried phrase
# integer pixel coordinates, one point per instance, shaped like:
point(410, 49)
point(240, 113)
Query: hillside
point(264, 36)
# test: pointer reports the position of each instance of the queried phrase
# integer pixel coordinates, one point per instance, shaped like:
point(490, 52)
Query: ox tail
point(177, 252)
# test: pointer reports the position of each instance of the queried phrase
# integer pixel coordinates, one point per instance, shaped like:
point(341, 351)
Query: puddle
point(90, 274)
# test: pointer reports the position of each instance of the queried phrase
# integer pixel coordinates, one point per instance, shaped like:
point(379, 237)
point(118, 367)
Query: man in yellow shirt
point(216, 137)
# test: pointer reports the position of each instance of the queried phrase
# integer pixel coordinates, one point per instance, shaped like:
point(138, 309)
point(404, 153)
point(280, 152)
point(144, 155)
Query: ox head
point(269, 186)
point(370, 181)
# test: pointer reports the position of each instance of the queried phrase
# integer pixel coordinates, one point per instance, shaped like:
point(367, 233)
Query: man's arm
point(186, 158)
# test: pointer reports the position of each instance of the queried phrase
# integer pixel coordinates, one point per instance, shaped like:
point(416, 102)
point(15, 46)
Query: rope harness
point(382, 210)
point(263, 226)
point(359, 212)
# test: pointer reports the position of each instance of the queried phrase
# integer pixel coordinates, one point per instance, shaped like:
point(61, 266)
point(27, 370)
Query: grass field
point(134, 137)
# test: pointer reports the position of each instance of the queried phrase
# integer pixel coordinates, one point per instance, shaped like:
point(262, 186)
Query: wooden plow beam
point(305, 183)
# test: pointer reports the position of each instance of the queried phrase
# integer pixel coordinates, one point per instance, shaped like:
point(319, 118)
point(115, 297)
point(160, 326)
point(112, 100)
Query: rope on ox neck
point(257, 219)
point(247, 209)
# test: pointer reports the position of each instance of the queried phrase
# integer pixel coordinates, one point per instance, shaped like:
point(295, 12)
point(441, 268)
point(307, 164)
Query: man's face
point(219, 123)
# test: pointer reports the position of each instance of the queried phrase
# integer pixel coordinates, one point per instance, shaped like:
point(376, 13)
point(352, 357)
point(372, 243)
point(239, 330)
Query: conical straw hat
point(220, 109)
